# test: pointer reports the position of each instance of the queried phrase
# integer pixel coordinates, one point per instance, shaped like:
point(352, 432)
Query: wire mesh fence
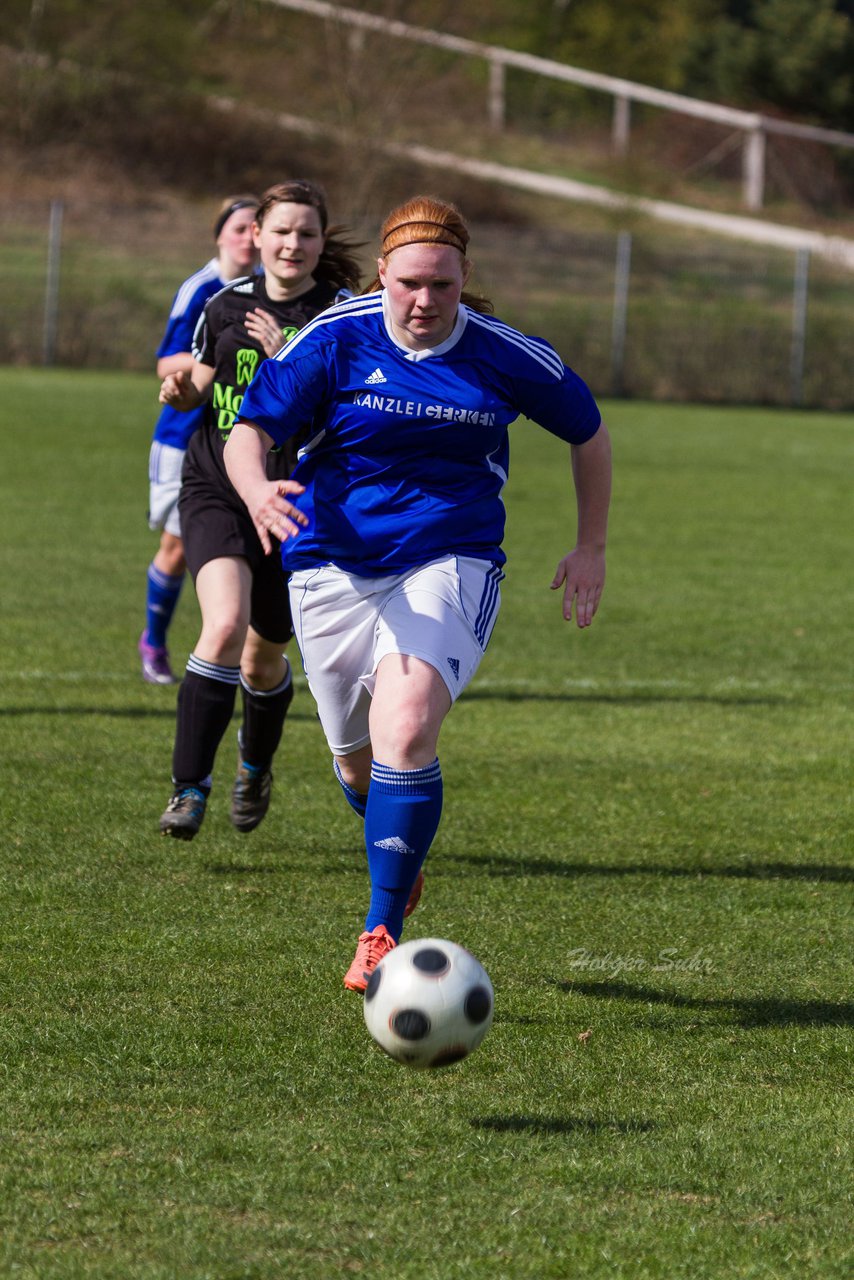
point(639, 313)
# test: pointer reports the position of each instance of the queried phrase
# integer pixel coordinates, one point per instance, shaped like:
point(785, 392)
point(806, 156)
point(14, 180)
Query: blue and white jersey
point(174, 427)
point(407, 451)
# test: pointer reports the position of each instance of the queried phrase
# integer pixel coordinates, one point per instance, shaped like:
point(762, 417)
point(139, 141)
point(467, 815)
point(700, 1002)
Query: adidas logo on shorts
point(375, 377)
point(454, 664)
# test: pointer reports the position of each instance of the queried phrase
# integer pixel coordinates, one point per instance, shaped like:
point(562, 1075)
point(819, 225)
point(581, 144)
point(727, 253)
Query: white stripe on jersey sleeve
point(367, 305)
point(543, 354)
point(184, 296)
point(196, 347)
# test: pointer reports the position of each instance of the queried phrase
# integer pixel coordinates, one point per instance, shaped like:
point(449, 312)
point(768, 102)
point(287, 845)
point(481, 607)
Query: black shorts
point(212, 527)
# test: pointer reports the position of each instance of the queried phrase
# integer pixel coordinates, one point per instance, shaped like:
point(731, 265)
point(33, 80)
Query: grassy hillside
point(139, 162)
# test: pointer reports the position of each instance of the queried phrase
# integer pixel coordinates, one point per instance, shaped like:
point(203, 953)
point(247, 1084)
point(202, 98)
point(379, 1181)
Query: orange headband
point(456, 243)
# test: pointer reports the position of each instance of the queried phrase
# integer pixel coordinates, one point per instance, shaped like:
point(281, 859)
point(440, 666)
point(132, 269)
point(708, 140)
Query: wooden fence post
point(621, 124)
point(753, 168)
point(51, 304)
point(799, 324)
point(621, 307)
point(497, 98)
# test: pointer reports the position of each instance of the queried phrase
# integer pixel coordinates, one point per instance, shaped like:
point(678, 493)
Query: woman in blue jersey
point(391, 527)
point(236, 254)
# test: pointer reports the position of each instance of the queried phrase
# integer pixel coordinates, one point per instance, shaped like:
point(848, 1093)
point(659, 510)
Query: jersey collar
point(450, 342)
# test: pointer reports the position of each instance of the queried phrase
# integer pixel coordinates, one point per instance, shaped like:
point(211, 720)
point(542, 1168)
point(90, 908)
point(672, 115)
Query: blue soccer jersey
point(174, 427)
point(408, 451)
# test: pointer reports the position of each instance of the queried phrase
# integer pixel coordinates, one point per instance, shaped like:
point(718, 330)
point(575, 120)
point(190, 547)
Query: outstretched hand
point(581, 573)
point(177, 390)
point(273, 515)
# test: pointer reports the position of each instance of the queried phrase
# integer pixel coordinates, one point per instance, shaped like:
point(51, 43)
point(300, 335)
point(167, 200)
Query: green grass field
point(646, 840)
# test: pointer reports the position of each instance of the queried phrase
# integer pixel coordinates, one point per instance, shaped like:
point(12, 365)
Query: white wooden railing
point(752, 124)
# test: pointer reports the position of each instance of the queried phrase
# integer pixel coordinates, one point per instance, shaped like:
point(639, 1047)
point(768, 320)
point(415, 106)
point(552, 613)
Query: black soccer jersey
point(223, 342)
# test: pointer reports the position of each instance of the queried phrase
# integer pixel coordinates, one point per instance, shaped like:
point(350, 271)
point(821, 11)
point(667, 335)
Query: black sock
point(205, 707)
point(263, 720)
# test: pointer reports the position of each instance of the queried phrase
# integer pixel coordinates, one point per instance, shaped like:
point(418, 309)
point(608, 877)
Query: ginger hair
point(426, 220)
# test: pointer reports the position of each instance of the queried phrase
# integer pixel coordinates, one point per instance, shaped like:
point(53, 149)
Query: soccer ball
point(428, 1003)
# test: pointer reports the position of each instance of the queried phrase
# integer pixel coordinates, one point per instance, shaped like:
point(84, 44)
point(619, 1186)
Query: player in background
point(242, 592)
point(236, 255)
point(392, 525)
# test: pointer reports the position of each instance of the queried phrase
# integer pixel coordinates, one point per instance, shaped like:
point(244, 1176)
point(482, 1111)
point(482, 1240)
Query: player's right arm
point(187, 391)
point(180, 362)
point(245, 454)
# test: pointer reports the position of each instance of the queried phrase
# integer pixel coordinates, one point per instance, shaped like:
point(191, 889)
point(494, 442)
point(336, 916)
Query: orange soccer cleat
point(370, 950)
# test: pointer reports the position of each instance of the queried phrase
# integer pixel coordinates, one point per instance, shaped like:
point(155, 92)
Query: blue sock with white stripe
point(354, 798)
point(402, 817)
point(163, 590)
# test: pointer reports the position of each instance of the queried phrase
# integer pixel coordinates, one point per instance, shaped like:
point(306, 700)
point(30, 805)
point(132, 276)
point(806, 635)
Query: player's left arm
point(581, 573)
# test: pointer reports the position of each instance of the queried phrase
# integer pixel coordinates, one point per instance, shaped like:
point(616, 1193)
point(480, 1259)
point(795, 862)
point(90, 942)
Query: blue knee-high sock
point(401, 819)
point(354, 798)
point(161, 598)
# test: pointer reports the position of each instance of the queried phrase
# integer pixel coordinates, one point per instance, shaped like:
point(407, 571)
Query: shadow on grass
point(242, 869)
point(503, 866)
point(116, 713)
point(518, 1020)
point(559, 1124)
point(631, 699)
point(123, 713)
point(761, 1011)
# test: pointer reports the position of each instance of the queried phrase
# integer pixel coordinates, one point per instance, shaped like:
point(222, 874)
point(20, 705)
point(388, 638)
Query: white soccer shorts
point(345, 625)
point(164, 485)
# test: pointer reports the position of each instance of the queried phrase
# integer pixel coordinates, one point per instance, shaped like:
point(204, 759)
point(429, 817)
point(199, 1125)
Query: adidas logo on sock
point(376, 376)
point(394, 844)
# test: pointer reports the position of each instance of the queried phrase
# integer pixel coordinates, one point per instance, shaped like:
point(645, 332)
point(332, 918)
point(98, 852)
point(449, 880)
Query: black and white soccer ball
point(429, 1003)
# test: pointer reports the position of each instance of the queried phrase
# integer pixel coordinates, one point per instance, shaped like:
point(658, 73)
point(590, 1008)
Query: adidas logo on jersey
point(376, 376)
point(394, 844)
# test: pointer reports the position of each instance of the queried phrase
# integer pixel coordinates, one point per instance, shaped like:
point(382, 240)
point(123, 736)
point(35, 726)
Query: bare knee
point(263, 670)
point(407, 739)
point(402, 734)
point(410, 702)
point(222, 638)
point(223, 590)
point(355, 769)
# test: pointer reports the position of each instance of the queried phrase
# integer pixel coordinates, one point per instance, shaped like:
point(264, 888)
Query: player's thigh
point(270, 611)
point(223, 588)
point(335, 620)
point(409, 704)
point(444, 614)
point(215, 525)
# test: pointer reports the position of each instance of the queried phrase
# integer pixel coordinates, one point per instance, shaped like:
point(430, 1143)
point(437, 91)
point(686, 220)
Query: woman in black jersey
point(242, 592)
